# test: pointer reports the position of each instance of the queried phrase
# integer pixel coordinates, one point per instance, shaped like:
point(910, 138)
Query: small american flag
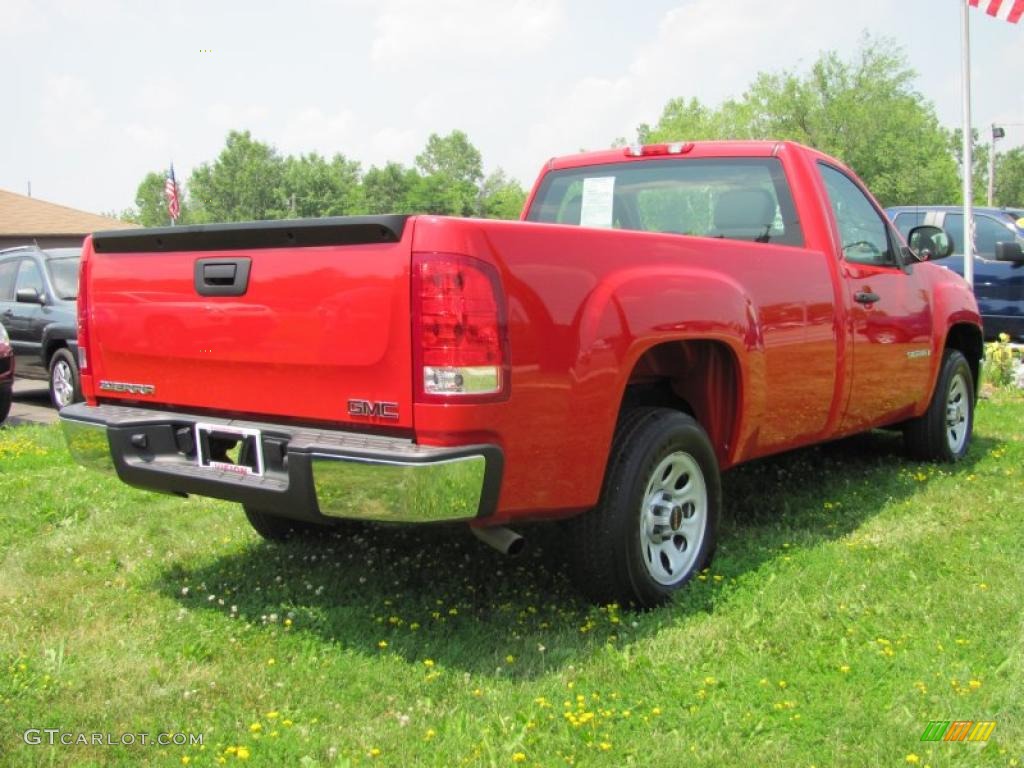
point(1007, 10)
point(171, 191)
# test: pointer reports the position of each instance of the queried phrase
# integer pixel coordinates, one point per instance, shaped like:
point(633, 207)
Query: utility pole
point(965, 87)
point(997, 133)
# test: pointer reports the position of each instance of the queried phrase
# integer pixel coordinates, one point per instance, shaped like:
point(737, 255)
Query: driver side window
point(864, 233)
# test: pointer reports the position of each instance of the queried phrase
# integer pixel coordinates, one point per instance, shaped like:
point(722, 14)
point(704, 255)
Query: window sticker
point(598, 196)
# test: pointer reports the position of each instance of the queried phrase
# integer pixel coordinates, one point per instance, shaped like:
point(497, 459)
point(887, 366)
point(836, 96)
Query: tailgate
point(301, 319)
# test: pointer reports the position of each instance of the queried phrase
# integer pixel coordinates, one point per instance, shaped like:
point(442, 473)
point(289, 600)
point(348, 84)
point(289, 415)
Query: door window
point(29, 277)
point(7, 271)
point(988, 232)
point(907, 220)
point(864, 232)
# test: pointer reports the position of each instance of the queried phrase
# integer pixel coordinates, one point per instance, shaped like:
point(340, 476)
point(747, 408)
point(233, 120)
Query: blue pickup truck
point(998, 265)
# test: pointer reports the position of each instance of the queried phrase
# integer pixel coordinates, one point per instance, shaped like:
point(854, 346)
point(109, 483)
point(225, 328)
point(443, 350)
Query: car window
point(64, 275)
point(907, 220)
point(864, 232)
point(8, 268)
point(988, 231)
point(29, 276)
point(733, 198)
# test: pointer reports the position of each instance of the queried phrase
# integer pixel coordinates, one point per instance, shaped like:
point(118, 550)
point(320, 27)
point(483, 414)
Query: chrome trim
point(87, 442)
point(398, 492)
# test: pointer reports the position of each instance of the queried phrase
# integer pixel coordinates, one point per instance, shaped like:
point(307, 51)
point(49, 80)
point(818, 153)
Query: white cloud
point(410, 33)
point(311, 130)
point(704, 49)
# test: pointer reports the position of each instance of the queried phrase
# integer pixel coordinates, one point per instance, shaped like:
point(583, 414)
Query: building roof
point(28, 216)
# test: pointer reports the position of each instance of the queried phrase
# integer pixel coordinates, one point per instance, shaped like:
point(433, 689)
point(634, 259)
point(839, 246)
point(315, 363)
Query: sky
point(96, 93)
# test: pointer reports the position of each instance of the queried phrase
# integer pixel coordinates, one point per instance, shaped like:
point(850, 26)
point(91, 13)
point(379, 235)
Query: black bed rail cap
point(279, 233)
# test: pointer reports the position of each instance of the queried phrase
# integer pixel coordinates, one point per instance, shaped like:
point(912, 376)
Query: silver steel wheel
point(957, 412)
point(674, 518)
point(63, 384)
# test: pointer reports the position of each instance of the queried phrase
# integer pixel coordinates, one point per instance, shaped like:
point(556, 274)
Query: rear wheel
point(65, 386)
point(276, 528)
point(943, 432)
point(656, 523)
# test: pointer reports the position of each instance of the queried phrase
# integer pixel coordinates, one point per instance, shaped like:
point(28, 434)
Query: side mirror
point(28, 296)
point(1010, 251)
point(929, 243)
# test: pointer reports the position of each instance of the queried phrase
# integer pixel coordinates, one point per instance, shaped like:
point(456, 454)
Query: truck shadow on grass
point(438, 593)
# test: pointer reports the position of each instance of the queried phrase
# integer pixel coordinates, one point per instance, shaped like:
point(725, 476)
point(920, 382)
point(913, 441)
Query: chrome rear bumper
point(308, 473)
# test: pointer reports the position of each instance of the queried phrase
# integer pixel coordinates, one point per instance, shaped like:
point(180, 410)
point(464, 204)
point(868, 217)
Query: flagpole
point(968, 140)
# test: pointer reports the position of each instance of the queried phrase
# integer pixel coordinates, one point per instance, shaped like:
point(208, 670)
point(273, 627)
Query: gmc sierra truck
point(660, 314)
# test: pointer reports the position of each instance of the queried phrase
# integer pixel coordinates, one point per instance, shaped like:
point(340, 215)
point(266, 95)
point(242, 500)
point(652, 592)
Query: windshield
point(64, 275)
point(734, 198)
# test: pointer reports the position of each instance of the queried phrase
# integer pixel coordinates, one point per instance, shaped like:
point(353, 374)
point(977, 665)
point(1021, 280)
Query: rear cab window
point(733, 198)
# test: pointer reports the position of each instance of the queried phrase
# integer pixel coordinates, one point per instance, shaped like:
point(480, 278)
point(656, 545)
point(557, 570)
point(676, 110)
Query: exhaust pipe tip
point(503, 539)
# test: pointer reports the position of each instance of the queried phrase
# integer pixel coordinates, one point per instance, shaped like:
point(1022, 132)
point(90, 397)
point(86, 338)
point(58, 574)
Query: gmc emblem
point(381, 409)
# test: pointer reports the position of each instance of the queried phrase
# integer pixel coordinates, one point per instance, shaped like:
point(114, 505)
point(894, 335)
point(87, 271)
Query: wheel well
point(967, 339)
point(51, 350)
point(698, 377)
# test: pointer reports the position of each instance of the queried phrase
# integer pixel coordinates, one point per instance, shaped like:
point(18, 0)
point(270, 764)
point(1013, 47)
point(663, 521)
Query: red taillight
point(460, 337)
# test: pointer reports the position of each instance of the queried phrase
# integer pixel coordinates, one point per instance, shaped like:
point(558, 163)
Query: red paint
point(784, 356)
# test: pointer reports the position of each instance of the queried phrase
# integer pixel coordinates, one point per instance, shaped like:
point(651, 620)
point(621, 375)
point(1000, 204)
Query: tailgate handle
point(222, 277)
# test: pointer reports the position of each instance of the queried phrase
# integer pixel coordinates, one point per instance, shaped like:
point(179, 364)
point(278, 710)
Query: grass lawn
point(856, 596)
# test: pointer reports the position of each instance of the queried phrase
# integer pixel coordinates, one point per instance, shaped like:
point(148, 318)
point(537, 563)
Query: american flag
point(1007, 10)
point(171, 191)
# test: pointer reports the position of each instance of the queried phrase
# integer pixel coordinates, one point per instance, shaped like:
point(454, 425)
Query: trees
point(864, 111)
point(1009, 175)
point(250, 180)
point(244, 183)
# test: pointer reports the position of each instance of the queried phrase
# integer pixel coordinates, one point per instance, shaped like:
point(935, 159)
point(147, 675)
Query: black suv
point(37, 306)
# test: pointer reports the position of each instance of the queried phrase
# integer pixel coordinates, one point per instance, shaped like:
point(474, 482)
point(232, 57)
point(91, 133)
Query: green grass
point(855, 597)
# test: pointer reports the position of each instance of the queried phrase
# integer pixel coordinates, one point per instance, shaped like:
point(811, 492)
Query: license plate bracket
point(229, 449)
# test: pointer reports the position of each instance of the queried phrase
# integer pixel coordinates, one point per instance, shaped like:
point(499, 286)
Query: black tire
point(275, 528)
point(65, 383)
point(942, 434)
point(5, 403)
point(616, 548)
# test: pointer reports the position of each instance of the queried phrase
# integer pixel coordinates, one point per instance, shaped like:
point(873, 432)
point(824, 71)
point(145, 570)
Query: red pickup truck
point(660, 314)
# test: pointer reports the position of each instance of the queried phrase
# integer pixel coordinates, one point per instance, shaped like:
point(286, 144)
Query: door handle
point(866, 297)
point(222, 277)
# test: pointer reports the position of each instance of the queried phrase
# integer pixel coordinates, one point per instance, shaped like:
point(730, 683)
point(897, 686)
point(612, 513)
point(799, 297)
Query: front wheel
point(943, 432)
point(65, 387)
point(656, 522)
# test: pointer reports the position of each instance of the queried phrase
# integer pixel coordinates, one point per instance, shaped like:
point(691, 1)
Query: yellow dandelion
point(271, 662)
point(287, 723)
point(518, 757)
point(382, 644)
point(272, 715)
point(844, 668)
point(510, 659)
point(431, 733)
point(975, 684)
point(287, 622)
point(243, 753)
point(185, 759)
point(374, 752)
point(428, 663)
point(913, 759)
point(709, 680)
point(605, 746)
point(655, 710)
point(783, 683)
point(255, 728)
